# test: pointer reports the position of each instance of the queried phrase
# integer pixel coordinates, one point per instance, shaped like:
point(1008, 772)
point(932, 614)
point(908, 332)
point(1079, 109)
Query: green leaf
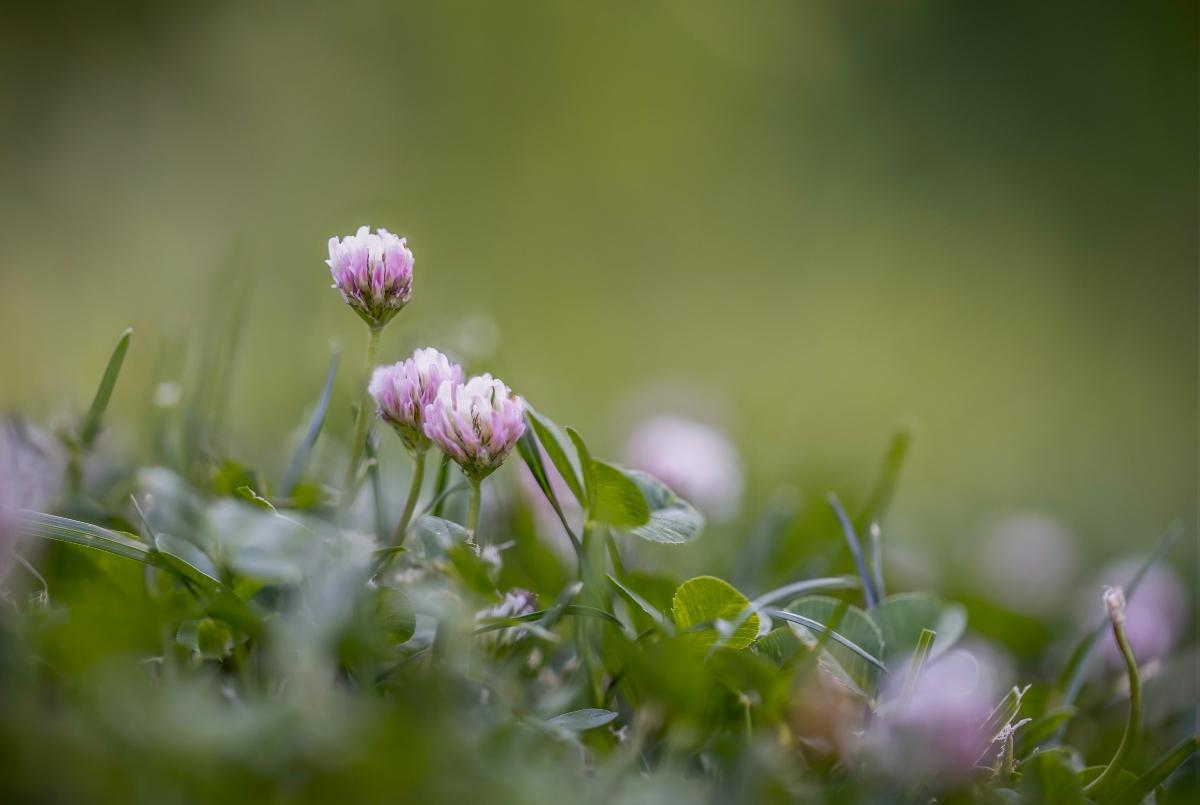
point(1048, 777)
point(553, 442)
point(673, 520)
point(395, 613)
point(1042, 729)
point(1125, 778)
point(855, 642)
point(586, 467)
point(91, 421)
point(619, 501)
point(580, 720)
point(706, 604)
point(659, 619)
point(208, 639)
point(299, 459)
point(901, 618)
point(1137, 790)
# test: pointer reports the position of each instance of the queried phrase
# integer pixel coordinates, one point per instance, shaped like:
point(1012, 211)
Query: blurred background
point(808, 224)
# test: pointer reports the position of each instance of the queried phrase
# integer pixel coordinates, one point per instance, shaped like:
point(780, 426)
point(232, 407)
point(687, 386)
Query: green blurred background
point(978, 219)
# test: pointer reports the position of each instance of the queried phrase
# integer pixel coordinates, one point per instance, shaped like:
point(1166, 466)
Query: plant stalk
point(360, 424)
point(414, 492)
point(1113, 769)
point(473, 508)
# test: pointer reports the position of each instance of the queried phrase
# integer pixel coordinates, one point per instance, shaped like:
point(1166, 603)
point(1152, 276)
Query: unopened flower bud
point(1114, 602)
point(401, 392)
point(476, 423)
point(373, 272)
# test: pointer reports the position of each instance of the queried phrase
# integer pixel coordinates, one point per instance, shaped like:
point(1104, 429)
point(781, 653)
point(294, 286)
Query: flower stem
point(473, 508)
point(360, 424)
point(414, 492)
point(1113, 769)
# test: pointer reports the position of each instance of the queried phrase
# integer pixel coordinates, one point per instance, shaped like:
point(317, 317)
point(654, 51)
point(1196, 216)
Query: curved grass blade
point(793, 590)
point(77, 532)
point(860, 562)
point(924, 646)
point(90, 427)
point(300, 456)
point(817, 626)
point(528, 450)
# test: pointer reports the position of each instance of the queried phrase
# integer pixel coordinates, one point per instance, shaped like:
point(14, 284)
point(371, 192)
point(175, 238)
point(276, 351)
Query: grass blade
point(885, 485)
point(817, 626)
point(920, 655)
point(90, 427)
point(1157, 774)
point(299, 459)
point(855, 546)
point(663, 622)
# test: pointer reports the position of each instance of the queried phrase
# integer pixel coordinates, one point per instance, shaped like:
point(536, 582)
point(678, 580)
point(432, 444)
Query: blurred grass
point(978, 219)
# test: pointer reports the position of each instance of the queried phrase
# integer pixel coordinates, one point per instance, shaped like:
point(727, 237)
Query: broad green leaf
point(395, 613)
point(902, 617)
point(554, 443)
point(855, 642)
point(1137, 790)
point(580, 720)
point(782, 647)
point(673, 520)
point(299, 459)
point(619, 502)
point(1042, 729)
point(709, 605)
point(1048, 777)
point(91, 421)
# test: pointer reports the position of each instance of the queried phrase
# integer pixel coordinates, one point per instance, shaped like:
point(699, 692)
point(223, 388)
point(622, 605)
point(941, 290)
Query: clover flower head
point(373, 272)
point(402, 390)
point(476, 423)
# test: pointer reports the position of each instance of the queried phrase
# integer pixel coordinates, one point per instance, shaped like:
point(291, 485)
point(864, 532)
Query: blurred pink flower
point(934, 732)
point(476, 423)
point(517, 602)
point(1027, 562)
point(373, 272)
point(31, 471)
point(1155, 616)
point(402, 390)
point(699, 462)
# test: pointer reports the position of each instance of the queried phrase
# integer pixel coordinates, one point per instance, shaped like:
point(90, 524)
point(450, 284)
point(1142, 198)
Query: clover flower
point(476, 423)
point(402, 390)
point(373, 272)
point(517, 602)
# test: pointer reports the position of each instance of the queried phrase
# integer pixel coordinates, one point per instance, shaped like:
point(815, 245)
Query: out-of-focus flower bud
point(373, 272)
point(401, 392)
point(1027, 562)
point(696, 460)
point(476, 423)
point(515, 604)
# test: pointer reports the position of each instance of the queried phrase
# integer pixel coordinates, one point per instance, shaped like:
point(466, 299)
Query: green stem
point(473, 508)
point(360, 425)
point(414, 492)
point(1113, 769)
point(439, 486)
